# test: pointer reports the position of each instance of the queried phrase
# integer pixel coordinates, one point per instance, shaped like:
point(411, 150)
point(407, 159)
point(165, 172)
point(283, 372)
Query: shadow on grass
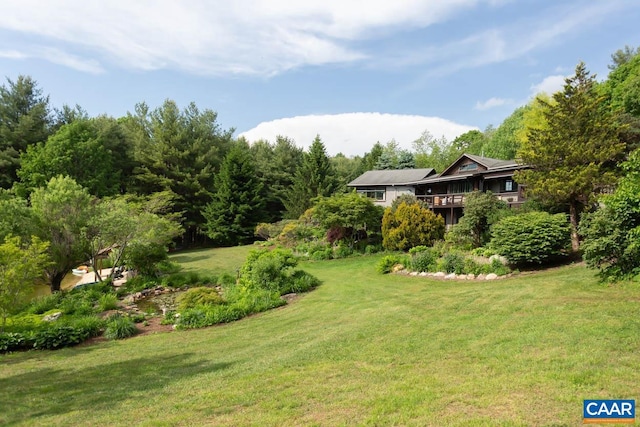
point(46, 392)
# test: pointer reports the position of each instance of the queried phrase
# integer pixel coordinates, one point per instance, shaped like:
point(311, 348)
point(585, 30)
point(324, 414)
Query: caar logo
point(609, 411)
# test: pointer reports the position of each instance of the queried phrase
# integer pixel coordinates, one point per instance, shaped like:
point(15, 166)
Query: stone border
point(453, 276)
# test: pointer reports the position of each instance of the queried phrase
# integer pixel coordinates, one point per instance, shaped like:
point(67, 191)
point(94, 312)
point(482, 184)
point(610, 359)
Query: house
point(384, 186)
point(444, 193)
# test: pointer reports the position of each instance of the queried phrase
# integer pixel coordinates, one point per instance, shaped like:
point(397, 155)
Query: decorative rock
point(491, 276)
point(413, 273)
point(397, 267)
point(471, 276)
point(424, 274)
point(439, 274)
point(462, 277)
point(52, 317)
point(481, 277)
point(450, 276)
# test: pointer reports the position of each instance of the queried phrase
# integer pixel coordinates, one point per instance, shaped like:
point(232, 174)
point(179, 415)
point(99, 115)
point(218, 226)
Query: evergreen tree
point(24, 121)
point(406, 160)
point(574, 154)
point(276, 165)
point(178, 151)
point(236, 208)
point(314, 178)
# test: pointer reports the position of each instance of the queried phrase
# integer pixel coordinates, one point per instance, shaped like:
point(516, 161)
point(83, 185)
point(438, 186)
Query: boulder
point(52, 317)
point(471, 276)
point(439, 274)
point(424, 274)
point(397, 267)
point(413, 273)
point(491, 276)
point(450, 276)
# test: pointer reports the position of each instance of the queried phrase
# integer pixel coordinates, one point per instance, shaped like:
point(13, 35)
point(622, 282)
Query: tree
point(62, 210)
point(370, 159)
point(24, 121)
point(15, 217)
point(481, 211)
point(20, 266)
point(409, 226)
point(237, 204)
point(76, 150)
point(314, 178)
point(126, 225)
point(437, 153)
point(612, 233)
point(470, 142)
point(178, 151)
point(406, 160)
point(276, 166)
point(353, 214)
point(623, 56)
point(573, 156)
point(504, 142)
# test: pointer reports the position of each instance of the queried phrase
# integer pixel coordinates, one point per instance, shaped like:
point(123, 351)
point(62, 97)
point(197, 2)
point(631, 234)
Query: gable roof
point(487, 162)
point(391, 177)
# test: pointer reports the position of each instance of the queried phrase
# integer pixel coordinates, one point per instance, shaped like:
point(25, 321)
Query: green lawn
point(361, 349)
point(212, 261)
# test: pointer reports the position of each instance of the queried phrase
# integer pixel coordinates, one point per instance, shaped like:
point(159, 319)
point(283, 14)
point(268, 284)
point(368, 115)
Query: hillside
point(363, 348)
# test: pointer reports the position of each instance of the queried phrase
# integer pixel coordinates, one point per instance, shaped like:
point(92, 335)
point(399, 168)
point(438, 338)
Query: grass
point(362, 349)
point(212, 261)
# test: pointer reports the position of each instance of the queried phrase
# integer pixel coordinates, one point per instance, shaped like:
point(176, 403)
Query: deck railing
point(458, 199)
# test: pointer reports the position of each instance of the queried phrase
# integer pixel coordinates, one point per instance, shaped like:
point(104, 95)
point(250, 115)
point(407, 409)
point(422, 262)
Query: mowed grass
point(362, 349)
point(212, 261)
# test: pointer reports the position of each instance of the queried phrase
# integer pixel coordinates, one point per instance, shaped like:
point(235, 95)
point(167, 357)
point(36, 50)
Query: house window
point(508, 186)
point(468, 167)
point(373, 194)
point(460, 187)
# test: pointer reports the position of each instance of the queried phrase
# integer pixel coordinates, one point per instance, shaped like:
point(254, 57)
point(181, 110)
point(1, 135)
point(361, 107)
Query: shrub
point(58, 336)
point(45, 303)
point(481, 211)
point(267, 269)
point(119, 327)
point(301, 281)
point(423, 259)
point(342, 251)
point(245, 301)
point(107, 302)
point(453, 262)
point(91, 326)
point(533, 237)
point(372, 249)
point(409, 226)
point(76, 304)
point(12, 341)
point(386, 264)
point(322, 254)
point(198, 296)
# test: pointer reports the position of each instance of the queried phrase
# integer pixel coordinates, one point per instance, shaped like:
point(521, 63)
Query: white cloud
point(492, 103)
point(355, 133)
point(548, 85)
point(261, 37)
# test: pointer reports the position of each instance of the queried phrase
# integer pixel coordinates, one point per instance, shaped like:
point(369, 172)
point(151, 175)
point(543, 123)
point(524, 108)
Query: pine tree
point(574, 155)
point(24, 121)
point(314, 178)
point(236, 208)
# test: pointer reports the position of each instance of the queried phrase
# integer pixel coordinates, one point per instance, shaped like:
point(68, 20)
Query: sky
point(354, 72)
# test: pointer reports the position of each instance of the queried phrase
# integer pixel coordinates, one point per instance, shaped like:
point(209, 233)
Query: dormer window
point(468, 167)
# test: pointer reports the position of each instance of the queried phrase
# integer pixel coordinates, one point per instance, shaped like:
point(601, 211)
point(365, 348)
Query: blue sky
point(355, 72)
